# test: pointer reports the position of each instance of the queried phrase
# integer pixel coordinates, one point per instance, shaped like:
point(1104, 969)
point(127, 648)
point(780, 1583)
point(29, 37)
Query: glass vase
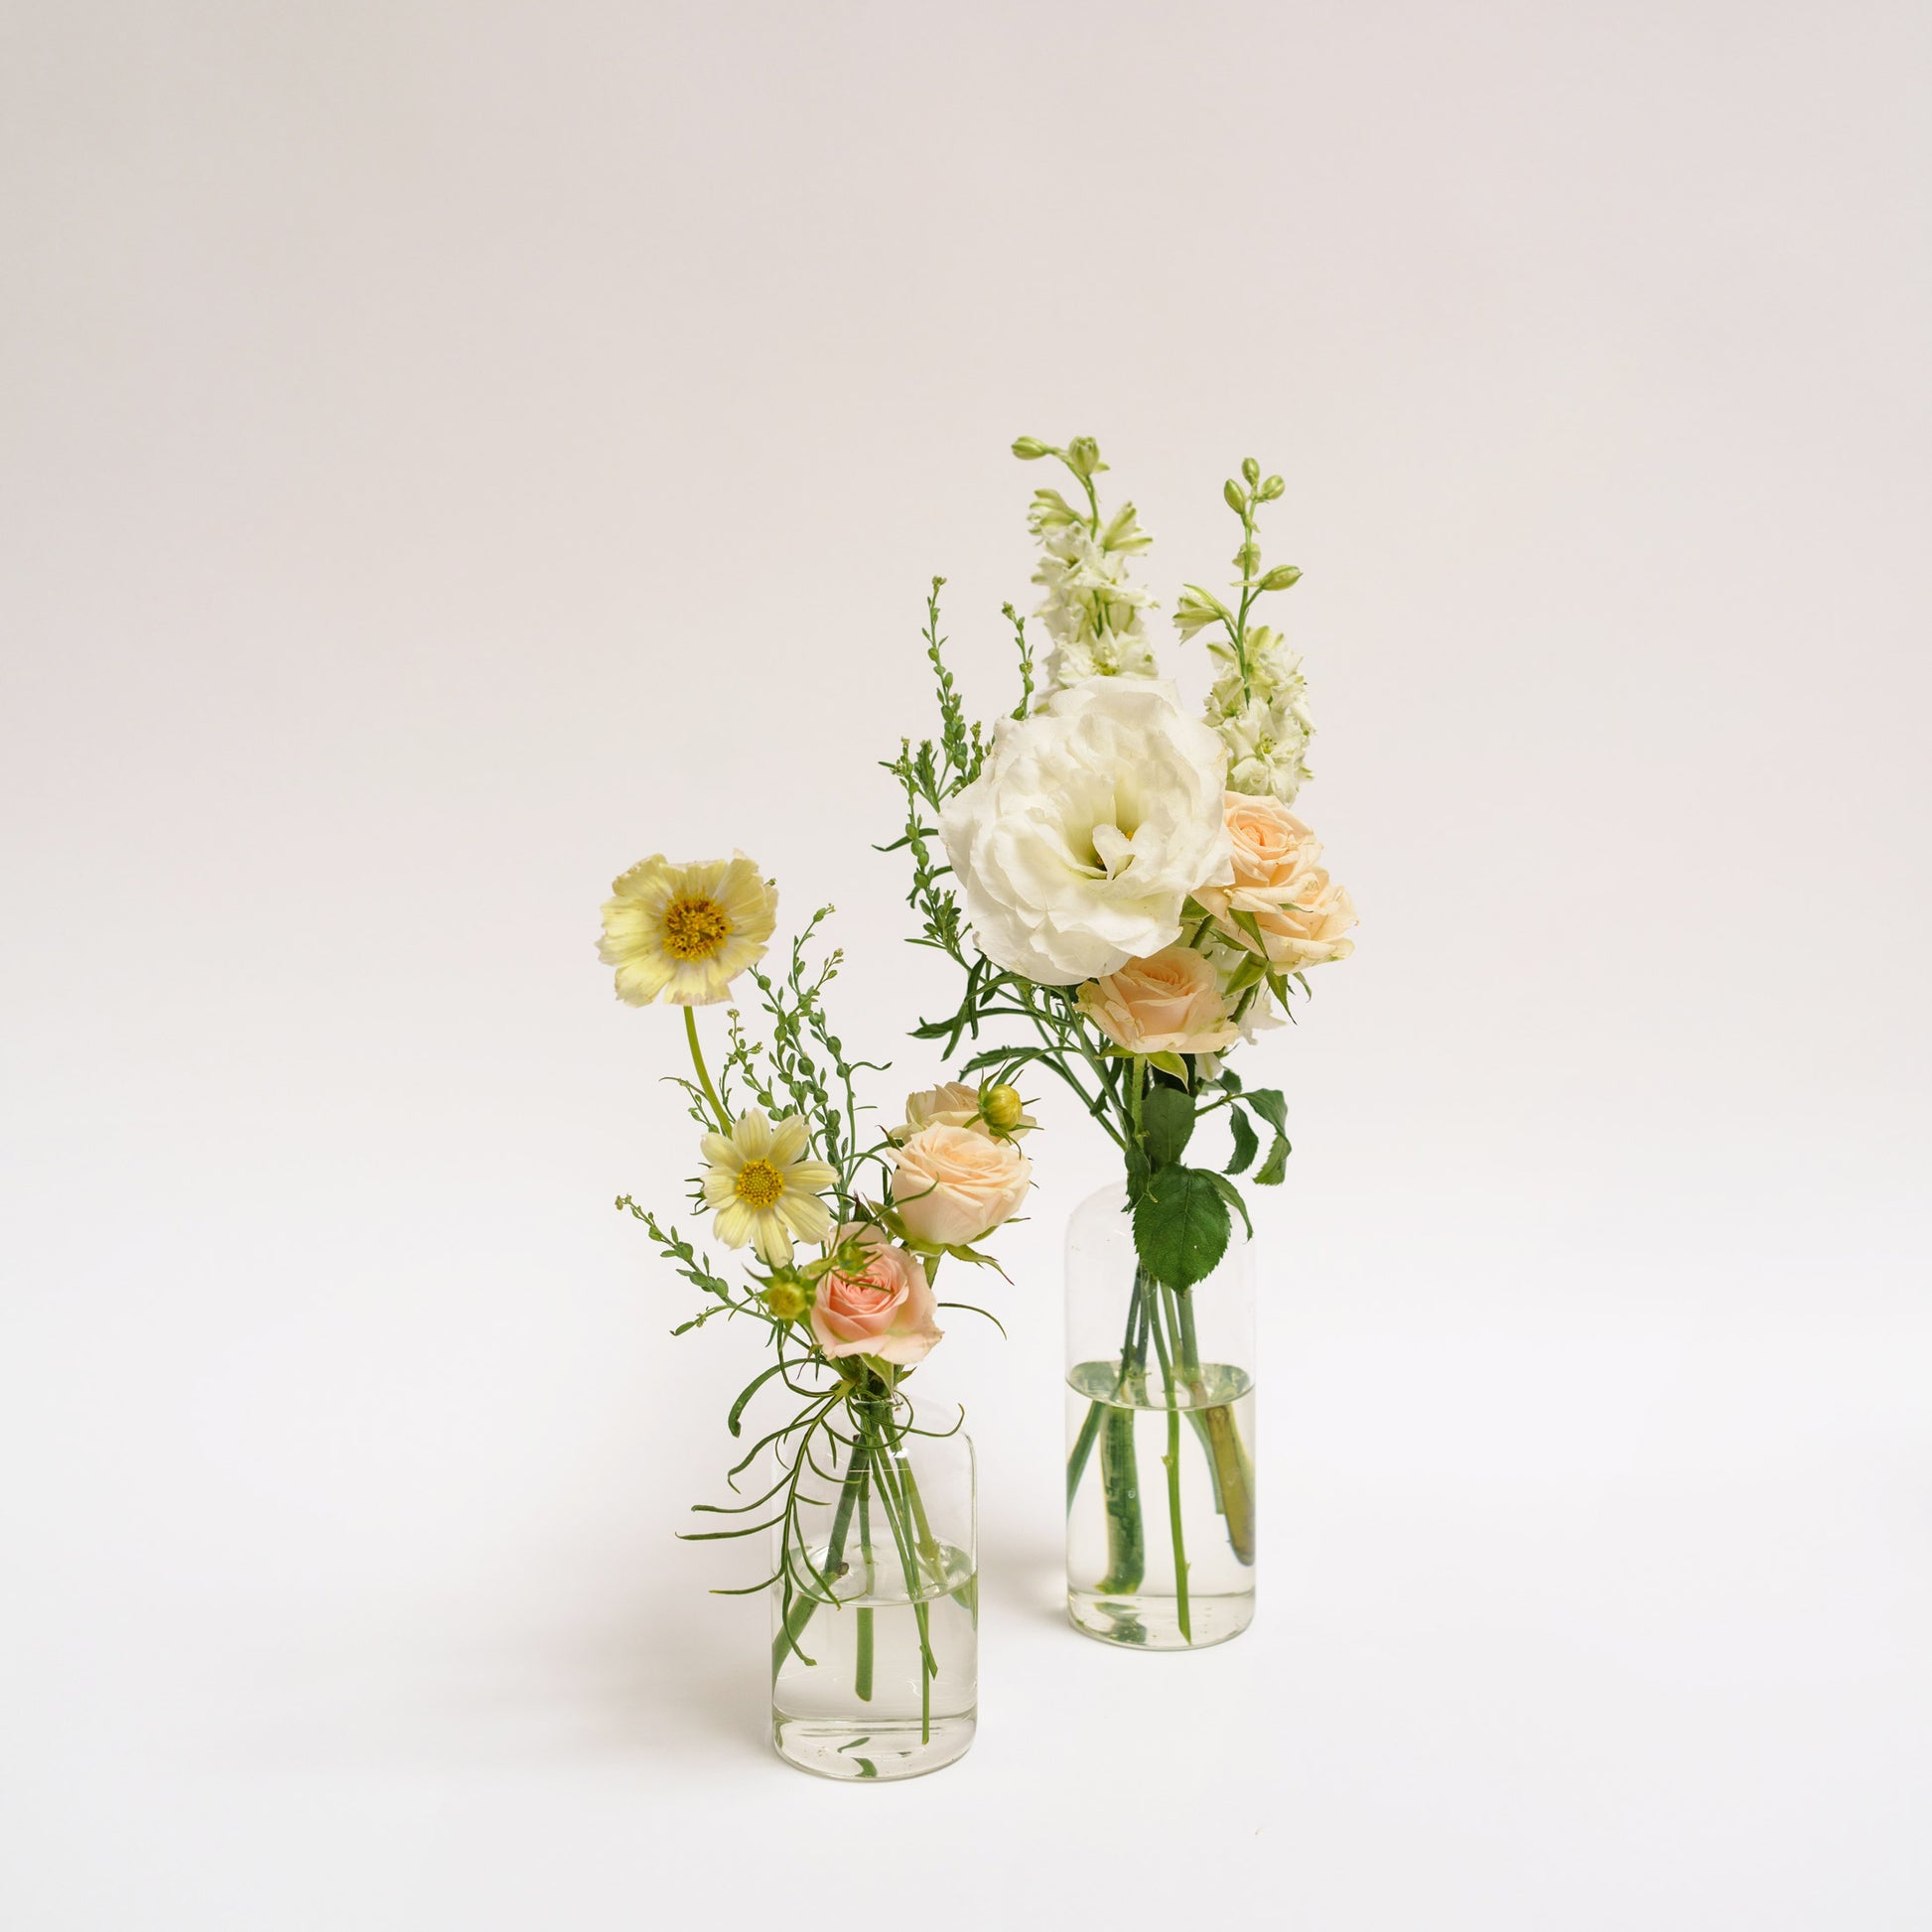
point(875, 1614)
point(1161, 1433)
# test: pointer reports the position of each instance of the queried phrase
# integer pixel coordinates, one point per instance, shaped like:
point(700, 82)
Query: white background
point(451, 451)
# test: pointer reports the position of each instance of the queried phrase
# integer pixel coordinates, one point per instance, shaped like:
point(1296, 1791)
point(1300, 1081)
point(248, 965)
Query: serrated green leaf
point(1275, 1166)
point(1230, 1194)
point(1167, 1120)
point(1246, 1140)
point(1270, 1104)
point(1181, 1226)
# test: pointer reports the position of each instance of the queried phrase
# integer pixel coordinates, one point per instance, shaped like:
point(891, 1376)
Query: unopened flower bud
point(1003, 1107)
point(1029, 448)
point(1251, 470)
point(1083, 452)
point(785, 1296)
point(1271, 488)
point(1280, 578)
point(1231, 492)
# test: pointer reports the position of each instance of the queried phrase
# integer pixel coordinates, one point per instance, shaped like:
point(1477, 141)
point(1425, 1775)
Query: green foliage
point(1168, 1124)
point(1246, 1140)
point(1180, 1225)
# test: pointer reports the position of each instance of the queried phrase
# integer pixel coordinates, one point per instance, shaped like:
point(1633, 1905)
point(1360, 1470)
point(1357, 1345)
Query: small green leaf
point(1181, 1226)
point(1138, 1170)
point(1230, 1194)
point(1167, 1118)
point(1269, 1105)
point(1171, 1063)
point(1275, 1166)
point(732, 1422)
point(1246, 1140)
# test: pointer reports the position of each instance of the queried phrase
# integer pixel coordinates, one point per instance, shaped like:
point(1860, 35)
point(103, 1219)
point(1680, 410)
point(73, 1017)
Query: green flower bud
point(1272, 489)
point(1083, 452)
point(1029, 448)
point(1280, 578)
point(1231, 493)
point(1251, 470)
point(785, 1296)
point(1003, 1108)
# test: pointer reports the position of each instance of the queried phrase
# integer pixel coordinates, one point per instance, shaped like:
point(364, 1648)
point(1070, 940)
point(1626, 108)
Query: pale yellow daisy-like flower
point(683, 933)
point(762, 1187)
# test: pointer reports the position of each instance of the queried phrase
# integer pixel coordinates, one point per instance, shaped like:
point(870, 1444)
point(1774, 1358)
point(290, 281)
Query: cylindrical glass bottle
point(875, 1630)
point(1161, 1433)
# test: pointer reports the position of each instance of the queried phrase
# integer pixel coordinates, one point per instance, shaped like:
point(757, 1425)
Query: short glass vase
point(875, 1616)
point(1161, 1436)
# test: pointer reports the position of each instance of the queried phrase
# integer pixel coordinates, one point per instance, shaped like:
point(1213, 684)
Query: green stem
point(803, 1604)
point(1173, 1462)
point(899, 1521)
point(1220, 1432)
point(1076, 1462)
point(1119, 1488)
point(704, 1078)
point(862, 1634)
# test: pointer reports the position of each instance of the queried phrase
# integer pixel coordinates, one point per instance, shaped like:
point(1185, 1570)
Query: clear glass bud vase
point(875, 1615)
point(1161, 1434)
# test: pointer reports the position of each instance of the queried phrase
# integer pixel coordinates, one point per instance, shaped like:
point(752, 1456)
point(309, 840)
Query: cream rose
point(1078, 843)
point(952, 1185)
point(1170, 1003)
point(954, 1103)
point(887, 1311)
point(1300, 913)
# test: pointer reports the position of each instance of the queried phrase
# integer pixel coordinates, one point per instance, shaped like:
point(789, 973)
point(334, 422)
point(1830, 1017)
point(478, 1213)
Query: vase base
point(1146, 1622)
point(884, 1751)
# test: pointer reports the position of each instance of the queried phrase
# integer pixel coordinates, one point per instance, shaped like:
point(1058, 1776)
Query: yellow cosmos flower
point(683, 933)
point(763, 1190)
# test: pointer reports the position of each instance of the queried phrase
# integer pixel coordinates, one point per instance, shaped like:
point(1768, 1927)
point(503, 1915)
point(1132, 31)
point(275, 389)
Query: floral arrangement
point(1129, 897)
point(785, 1167)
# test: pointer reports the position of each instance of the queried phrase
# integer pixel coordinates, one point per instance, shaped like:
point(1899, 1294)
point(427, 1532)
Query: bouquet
point(841, 1231)
point(1130, 898)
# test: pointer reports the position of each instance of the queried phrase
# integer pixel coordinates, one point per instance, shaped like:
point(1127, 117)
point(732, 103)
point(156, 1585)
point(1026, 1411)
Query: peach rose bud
point(885, 1311)
point(1167, 1003)
point(952, 1185)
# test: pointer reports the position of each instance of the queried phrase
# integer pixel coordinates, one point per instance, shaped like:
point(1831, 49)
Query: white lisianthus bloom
point(1088, 827)
point(1267, 745)
point(764, 1186)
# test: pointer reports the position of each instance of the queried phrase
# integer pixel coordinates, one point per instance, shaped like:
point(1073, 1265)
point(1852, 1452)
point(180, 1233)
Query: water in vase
point(1161, 1515)
point(893, 1688)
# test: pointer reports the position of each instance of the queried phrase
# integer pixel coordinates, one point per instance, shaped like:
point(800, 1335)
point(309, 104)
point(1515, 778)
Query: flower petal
point(736, 1223)
point(770, 1239)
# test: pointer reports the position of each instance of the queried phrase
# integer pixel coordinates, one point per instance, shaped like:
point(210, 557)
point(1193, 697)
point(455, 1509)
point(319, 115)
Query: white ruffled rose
point(1093, 820)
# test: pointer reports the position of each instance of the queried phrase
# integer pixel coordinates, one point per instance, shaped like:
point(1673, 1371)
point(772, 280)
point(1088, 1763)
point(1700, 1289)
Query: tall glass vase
point(875, 1617)
point(1161, 1433)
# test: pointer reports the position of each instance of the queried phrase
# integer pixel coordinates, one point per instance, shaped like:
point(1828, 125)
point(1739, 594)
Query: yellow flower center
point(758, 1183)
point(694, 928)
